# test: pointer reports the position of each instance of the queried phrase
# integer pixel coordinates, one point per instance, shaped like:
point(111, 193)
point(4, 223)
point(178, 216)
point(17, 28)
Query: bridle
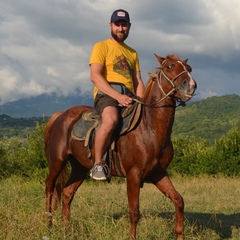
point(158, 76)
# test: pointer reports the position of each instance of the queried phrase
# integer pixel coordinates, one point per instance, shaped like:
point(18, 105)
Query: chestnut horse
point(144, 153)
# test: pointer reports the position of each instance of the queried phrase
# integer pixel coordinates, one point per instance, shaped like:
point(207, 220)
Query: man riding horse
point(112, 61)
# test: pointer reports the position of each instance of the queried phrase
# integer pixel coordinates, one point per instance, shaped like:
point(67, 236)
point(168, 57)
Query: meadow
point(100, 211)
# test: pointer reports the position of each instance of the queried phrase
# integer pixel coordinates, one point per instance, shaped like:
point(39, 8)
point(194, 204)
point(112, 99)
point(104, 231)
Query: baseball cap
point(120, 14)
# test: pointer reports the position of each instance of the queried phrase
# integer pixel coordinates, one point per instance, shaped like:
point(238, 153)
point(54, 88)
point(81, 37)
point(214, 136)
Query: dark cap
point(120, 14)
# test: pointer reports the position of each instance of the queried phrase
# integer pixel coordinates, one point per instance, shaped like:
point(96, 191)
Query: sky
point(45, 45)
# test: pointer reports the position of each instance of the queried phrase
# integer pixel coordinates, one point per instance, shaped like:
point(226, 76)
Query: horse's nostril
point(184, 83)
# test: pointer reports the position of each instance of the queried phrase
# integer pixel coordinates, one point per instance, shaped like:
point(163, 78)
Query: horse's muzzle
point(187, 89)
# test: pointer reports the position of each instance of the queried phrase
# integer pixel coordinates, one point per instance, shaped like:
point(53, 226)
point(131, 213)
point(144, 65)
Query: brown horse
point(144, 153)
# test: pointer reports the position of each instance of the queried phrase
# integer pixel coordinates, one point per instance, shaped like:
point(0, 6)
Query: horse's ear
point(160, 59)
point(185, 61)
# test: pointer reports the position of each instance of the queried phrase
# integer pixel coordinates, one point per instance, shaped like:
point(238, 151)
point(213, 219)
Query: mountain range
point(44, 105)
point(208, 118)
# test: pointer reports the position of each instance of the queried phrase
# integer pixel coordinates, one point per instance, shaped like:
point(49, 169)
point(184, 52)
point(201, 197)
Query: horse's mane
point(152, 75)
point(173, 56)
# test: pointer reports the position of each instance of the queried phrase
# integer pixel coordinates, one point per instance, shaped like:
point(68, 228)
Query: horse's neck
point(161, 114)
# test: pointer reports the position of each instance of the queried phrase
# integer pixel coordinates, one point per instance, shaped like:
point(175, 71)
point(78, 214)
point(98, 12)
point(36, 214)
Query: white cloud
point(9, 83)
point(207, 93)
point(51, 72)
point(45, 45)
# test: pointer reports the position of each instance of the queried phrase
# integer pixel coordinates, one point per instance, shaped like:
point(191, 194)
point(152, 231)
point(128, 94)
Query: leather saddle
point(85, 127)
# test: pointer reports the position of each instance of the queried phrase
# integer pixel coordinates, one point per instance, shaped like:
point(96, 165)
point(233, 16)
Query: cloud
point(45, 45)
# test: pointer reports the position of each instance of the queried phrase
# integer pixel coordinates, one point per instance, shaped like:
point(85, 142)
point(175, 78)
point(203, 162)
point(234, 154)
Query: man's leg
point(103, 137)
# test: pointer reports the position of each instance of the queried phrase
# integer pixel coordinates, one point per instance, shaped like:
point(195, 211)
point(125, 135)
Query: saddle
point(90, 121)
point(84, 129)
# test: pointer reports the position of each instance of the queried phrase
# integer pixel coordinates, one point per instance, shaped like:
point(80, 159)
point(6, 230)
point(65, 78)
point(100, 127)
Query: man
point(115, 72)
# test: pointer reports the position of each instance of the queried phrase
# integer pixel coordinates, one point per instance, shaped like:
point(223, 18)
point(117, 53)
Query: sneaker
point(97, 172)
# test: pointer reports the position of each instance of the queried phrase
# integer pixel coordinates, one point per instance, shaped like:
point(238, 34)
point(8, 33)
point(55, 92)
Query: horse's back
point(49, 124)
point(64, 120)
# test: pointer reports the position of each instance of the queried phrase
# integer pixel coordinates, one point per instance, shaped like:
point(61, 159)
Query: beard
point(119, 39)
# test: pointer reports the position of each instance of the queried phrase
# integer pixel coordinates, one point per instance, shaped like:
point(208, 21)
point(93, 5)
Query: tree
point(228, 150)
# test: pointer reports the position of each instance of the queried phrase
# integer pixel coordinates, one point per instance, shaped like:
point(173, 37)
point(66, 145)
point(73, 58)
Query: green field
point(100, 212)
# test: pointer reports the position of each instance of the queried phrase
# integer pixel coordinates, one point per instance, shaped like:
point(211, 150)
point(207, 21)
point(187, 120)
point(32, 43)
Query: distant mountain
point(44, 105)
point(209, 118)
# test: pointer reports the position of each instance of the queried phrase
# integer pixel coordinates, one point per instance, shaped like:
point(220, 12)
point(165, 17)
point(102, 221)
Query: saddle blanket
point(84, 128)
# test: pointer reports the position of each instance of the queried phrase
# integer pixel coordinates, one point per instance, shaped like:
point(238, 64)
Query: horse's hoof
point(180, 237)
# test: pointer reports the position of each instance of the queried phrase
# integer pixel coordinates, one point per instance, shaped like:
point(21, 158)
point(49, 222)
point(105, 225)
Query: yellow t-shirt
point(118, 61)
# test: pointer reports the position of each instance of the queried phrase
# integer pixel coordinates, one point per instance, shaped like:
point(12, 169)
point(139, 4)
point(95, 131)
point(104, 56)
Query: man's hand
point(124, 100)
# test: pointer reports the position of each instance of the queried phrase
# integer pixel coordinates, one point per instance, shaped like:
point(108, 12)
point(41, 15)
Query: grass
point(100, 211)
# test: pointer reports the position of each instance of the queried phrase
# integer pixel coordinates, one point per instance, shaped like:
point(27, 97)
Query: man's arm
point(138, 84)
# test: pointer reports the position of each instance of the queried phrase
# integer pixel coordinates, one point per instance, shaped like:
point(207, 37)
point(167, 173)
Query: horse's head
point(180, 84)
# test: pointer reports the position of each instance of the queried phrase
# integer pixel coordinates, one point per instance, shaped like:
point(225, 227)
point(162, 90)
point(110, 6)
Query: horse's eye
point(169, 66)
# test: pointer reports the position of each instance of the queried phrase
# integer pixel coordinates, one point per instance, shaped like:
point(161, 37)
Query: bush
point(195, 156)
point(189, 154)
point(192, 155)
point(23, 156)
point(228, 152)
point(13, 155)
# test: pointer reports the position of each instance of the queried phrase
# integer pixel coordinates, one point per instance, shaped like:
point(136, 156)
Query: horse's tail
point(64, 175)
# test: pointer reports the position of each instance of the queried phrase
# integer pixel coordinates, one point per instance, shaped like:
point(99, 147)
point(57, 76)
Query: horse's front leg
point(133, 190)
point(166, 187)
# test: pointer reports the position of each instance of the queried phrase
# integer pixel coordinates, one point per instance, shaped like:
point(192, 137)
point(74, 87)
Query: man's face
point(120, 30)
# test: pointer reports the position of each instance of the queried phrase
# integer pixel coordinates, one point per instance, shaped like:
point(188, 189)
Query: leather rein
point(158, 76)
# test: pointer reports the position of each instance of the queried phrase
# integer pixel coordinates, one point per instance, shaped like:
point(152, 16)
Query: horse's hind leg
point(55, 169)
point(166, 187)
point(78, 174)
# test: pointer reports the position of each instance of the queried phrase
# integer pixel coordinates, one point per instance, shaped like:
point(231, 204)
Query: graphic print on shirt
point(122, 67)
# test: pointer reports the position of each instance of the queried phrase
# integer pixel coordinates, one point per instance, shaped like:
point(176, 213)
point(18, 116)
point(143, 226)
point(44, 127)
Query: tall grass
point(100, 211)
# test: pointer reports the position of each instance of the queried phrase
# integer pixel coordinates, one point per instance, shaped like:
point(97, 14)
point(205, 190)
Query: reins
point(158, 76)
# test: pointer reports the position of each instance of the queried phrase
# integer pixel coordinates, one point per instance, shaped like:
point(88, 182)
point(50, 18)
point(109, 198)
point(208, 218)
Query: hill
point(18, 127)
point(209, 118)
point(44, 105)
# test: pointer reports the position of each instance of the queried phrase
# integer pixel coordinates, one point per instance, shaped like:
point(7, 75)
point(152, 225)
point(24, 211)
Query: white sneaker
point(97, 172)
